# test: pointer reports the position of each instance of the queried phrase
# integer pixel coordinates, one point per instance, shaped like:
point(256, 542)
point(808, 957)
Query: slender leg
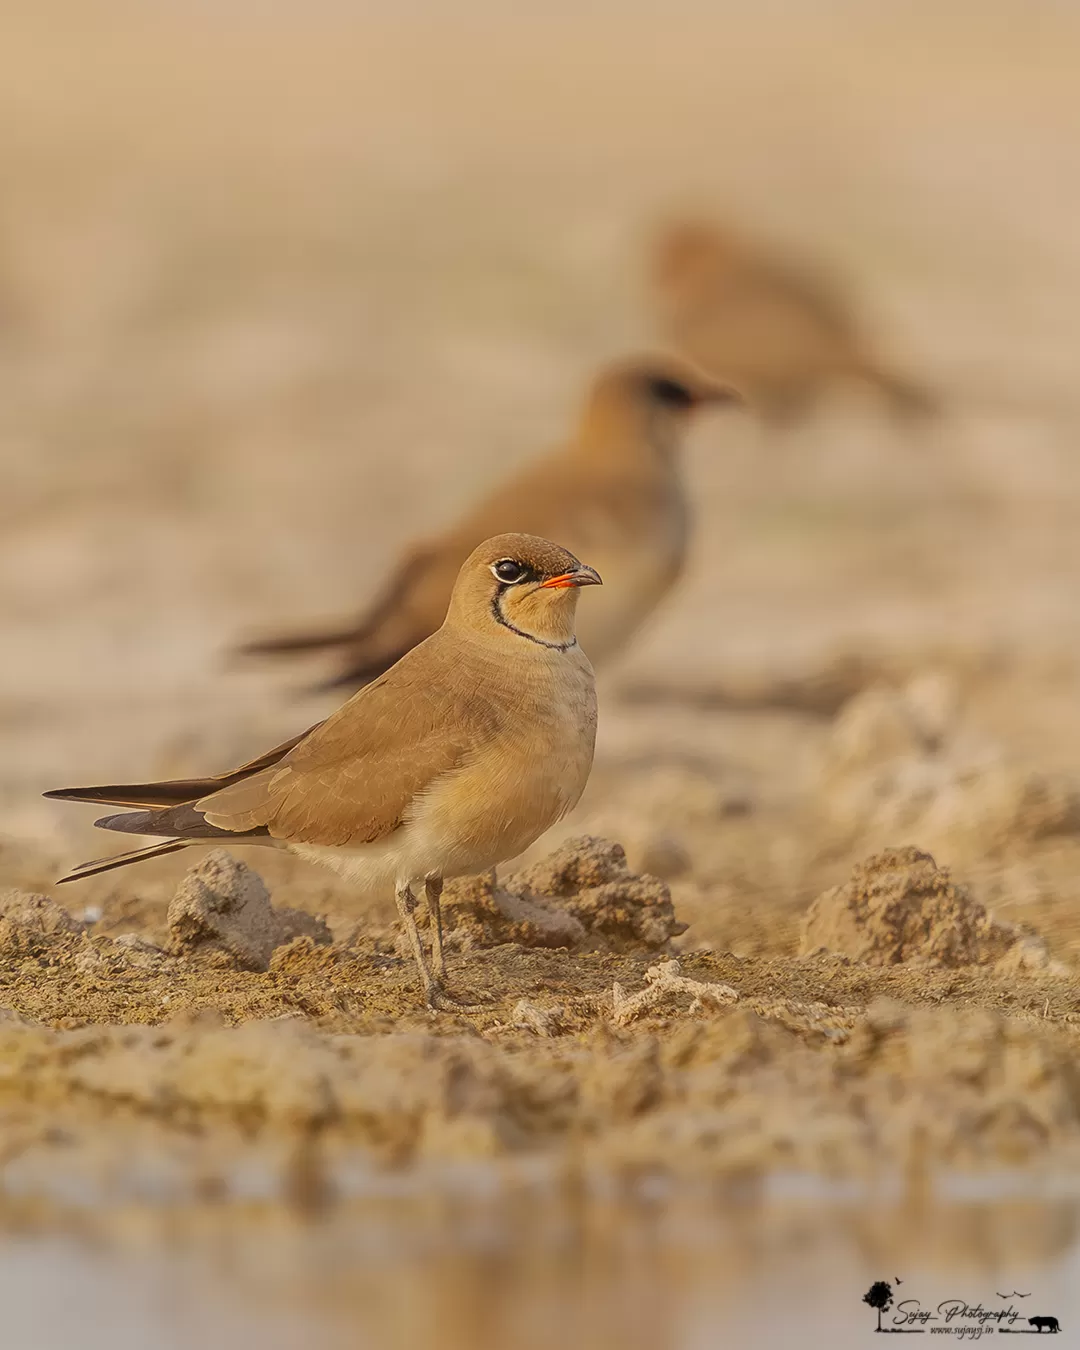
point(433, 885)
point(406, 904)
point(434, 996)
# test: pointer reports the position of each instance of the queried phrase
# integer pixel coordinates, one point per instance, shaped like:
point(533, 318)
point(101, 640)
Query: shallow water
point(686, 1270)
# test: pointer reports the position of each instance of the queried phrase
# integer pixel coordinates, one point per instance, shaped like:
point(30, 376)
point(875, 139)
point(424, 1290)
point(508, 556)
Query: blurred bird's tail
point(362, 665)
point(907, 399)
point(287, 643)
point(371, 645)
point(363, 654)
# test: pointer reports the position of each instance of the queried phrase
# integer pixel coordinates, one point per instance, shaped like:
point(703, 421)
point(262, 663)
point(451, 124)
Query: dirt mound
point(30, 923)
point(977, 1088)
point(901, 907)
point(479, 912)
point(222, 908)
point(977, 1084)
point(582, 896)
point(704, 1095)
point(39, 937)
point(899, 762)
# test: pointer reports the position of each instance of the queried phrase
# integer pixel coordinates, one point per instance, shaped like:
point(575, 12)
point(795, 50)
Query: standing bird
point(614, 494)
point(781, 333)
point(458, 758)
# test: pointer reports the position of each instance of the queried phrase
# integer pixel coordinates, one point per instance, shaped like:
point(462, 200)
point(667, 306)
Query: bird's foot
point(438, 1000)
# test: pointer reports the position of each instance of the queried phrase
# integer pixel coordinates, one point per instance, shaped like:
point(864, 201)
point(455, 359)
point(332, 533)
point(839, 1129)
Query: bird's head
point(648, 398)
point(521, 587)
point(688, 256)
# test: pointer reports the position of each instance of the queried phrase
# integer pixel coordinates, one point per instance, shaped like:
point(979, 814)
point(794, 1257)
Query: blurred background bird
point(614, 493)
point(779, 328)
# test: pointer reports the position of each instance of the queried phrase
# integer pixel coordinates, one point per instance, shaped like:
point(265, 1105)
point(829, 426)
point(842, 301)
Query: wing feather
point(354, 779)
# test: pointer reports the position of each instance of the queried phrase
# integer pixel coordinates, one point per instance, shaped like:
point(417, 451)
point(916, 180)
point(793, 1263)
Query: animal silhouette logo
point(1042, 1324)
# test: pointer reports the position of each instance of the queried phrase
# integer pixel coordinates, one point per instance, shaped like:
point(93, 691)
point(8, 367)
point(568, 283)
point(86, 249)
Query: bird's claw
point(438, 1000)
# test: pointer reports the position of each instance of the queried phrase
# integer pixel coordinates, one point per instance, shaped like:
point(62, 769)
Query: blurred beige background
point(282, 286)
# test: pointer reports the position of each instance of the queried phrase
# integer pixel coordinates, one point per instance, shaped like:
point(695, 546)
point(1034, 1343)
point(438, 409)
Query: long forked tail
point(91, 869)
point(168, 810)
point(181, 825)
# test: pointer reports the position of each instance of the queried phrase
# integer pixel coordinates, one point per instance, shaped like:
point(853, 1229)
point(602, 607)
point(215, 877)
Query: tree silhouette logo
point(879, 1296)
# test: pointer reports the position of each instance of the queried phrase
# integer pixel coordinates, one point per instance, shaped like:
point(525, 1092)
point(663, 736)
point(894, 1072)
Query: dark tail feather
point(908, 400)
point(184, 822)
point(91, 869)
point(178, 791)
point(298, 642)
point(141, 794)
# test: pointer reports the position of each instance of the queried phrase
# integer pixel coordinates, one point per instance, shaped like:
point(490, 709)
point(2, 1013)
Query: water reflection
point(604, 1266)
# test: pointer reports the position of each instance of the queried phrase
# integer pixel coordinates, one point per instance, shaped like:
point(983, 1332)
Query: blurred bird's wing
point(393, 591)
point(410, 608)
point(393, 599)
point(550, 496)
point(537, 500)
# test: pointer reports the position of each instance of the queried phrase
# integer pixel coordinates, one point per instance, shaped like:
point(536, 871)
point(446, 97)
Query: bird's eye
point(510, 572)
point(671, 392)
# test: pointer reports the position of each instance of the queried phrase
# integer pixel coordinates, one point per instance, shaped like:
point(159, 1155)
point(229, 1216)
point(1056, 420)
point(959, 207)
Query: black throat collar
point(500, 618)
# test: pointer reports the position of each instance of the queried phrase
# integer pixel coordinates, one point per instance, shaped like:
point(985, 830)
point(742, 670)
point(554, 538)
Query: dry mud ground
point(279, 291)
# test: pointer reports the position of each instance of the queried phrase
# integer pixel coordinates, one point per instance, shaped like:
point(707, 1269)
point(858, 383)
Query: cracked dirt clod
point(541, 1021)
point(900, 907)
point(479, 912)
point(582, 896)
point(663, 982)
point(589, 878)
point(137, 951)
point(223, 906)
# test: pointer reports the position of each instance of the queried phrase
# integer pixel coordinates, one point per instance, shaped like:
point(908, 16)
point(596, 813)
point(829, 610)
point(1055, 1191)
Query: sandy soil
point(277, 295)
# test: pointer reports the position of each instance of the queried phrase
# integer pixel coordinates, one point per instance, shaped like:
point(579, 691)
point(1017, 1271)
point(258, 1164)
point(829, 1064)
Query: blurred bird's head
point(523, 588)
point(647, 398)
point(688, 257)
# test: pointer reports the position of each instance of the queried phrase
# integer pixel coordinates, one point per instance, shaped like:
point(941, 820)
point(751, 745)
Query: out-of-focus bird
point(458, 758)
point(781, 333)
point(614, 494)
